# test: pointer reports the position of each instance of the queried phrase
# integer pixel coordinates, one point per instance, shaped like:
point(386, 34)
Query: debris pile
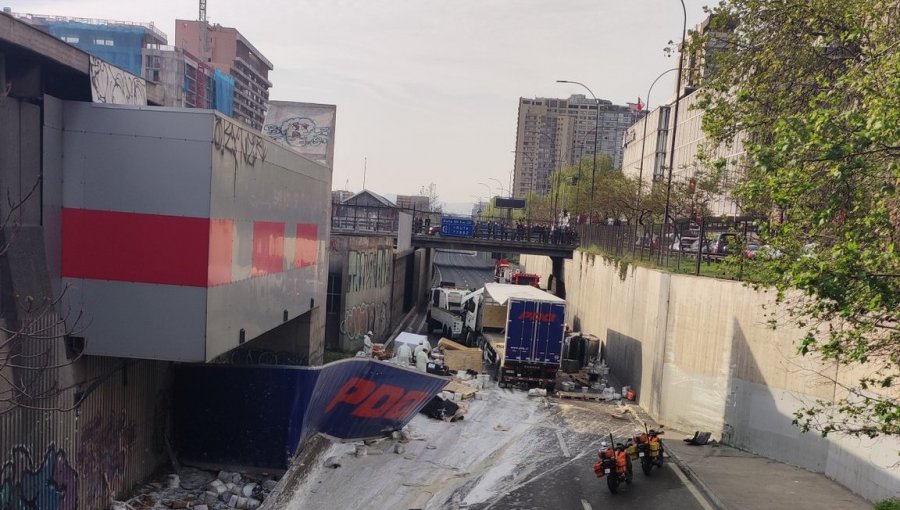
point(196, 489)
point(451, 404)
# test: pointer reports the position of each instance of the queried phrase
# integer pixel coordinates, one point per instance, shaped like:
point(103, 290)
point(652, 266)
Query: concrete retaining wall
point(701, 356)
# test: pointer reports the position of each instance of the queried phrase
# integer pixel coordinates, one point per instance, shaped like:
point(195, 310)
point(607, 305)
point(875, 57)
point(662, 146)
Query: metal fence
point(686, 245)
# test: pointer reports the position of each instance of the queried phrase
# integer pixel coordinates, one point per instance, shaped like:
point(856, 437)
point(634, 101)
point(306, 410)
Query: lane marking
point(585, 505)
point(692, 488)
point(562, 444)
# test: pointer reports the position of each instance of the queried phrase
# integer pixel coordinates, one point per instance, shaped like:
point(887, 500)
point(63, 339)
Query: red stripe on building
point(305, 245)
point(221, 239)
point(268, 248)
point(130, 247)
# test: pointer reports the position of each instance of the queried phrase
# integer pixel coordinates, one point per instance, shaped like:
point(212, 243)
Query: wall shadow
point(624, 355)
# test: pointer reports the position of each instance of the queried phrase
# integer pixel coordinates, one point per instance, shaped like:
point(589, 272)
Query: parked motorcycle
point(615, 463)
point(649, 449)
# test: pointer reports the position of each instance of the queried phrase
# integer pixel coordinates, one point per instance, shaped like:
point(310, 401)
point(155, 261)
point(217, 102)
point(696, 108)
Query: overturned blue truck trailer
point(258, 416)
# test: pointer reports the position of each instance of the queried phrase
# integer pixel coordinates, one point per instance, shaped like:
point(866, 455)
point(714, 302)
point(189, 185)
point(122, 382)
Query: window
point(104, 42)
point(71, 39)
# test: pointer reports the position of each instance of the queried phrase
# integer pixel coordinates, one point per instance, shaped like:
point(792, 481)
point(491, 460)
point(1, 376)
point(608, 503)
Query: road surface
point(465, 269)
point(510, 452)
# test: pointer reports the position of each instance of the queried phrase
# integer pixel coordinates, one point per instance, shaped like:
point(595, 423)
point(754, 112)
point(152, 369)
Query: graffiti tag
point(369, 270)
point(51, 485)
point(363, 318)
point(109, 84)
point(103, 454)
point(239, 143)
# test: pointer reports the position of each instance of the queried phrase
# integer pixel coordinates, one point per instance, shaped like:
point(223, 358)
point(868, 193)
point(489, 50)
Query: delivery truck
point(520, 330)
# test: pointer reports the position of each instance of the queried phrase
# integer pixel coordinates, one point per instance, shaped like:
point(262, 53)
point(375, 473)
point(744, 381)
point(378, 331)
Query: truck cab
point(445, 310)
point(526, 279)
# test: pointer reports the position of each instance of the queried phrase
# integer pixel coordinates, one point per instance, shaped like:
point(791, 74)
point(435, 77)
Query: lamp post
point(637, 203)
point(488, 188)
point(500, 186)
point(555, 165)
point(644, 139)
point(674, 131)
point(596, 132)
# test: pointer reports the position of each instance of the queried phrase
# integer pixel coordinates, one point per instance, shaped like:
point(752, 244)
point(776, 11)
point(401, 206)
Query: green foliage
point(616, 196)
point(812, 89)
point(887, 504)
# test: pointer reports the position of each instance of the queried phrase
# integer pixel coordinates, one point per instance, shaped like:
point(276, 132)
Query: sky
point(427, 91)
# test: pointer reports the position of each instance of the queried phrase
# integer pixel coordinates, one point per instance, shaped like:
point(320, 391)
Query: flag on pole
point(639, 106)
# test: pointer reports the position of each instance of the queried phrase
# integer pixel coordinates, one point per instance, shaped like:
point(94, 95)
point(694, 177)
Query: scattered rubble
point(197, 489)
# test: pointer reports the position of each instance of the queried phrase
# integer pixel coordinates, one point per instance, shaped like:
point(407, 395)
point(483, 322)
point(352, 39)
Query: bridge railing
point(681, 249)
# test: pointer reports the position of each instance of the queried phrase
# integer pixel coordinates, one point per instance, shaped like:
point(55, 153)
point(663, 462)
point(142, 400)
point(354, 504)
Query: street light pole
point(644, 138)
point(500, 186)
point(490, 193)
point(596, 132)
point(674, 131)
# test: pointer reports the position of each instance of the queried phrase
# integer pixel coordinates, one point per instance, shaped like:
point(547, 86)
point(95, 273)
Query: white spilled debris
point(196, 489)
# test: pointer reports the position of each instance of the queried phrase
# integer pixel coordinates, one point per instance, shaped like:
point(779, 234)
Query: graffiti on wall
point(307, 128)
point(362, 318)
point(103, 454)
point(239, 143)
point(50, 485)
point(109, 84)
point(370, 269)
point(298, 132)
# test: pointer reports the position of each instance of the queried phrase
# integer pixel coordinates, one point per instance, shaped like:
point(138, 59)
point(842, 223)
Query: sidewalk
point(735, 480)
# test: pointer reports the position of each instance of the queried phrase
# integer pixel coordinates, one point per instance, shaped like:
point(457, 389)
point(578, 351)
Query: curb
point(404, 322)
point(701, 485)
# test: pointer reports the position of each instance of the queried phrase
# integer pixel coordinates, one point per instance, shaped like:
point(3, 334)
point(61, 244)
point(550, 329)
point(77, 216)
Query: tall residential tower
point(553, 133)
point(224, 48)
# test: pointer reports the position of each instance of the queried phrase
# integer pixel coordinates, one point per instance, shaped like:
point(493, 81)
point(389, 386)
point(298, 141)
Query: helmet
point(604, 445)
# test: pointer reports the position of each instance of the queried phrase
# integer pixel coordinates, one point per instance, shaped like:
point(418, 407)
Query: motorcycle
point(649, 449)
point(615, 463)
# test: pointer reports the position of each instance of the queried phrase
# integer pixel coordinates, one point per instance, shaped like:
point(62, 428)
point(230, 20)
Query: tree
point(813, 87)
point(430, 191)
point(33, 347)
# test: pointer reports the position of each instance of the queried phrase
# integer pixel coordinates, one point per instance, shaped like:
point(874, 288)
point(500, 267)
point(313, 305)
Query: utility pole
point(365, 169)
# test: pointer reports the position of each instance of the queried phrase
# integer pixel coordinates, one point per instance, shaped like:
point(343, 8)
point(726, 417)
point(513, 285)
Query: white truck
point(520, 330)
point(445, 311)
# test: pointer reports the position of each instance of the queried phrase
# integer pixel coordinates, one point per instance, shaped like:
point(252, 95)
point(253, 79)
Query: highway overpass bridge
point(562, 251)
point(557, 252)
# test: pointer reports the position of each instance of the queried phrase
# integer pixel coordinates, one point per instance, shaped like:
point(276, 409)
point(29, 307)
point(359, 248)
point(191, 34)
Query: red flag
point(639, 106)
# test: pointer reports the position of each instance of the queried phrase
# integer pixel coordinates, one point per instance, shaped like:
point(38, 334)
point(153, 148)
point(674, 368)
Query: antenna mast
point(202, 30)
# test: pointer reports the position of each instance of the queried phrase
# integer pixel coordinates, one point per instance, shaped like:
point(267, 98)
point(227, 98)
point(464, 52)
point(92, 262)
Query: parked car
point(683, 243)
point(722, 243)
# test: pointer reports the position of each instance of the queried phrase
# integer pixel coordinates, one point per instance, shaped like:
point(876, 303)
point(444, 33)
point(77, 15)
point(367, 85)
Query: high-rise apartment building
point(224, 48)
point(553, 133)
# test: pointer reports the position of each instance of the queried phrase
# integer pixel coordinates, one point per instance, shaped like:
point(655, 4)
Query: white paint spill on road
point(562, 444)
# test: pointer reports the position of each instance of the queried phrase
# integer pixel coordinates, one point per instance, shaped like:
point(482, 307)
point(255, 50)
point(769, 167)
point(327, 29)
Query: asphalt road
point(465, 269)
